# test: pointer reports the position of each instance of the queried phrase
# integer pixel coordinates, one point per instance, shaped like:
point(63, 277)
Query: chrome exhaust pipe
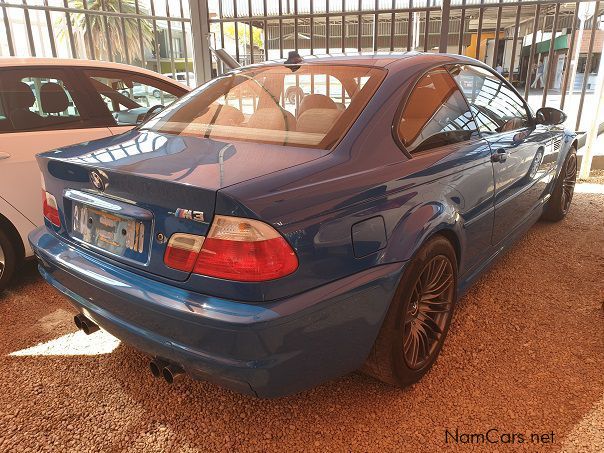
point(85, 324)
point(156, 366)
point(172, 372)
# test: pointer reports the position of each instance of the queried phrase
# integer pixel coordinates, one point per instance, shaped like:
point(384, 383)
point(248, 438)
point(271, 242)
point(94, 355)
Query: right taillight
point(50, 208)
point(182, 251)
point(236, 249)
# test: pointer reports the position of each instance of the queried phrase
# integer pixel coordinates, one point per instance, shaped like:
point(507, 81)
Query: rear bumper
point(267, 349)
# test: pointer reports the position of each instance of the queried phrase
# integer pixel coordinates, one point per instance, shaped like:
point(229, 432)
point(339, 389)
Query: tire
point(8, 260)
point(391, 359)
point(559, 203)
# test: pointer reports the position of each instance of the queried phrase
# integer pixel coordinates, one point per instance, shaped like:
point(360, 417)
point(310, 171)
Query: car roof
point(8, 62)
point(377, 59)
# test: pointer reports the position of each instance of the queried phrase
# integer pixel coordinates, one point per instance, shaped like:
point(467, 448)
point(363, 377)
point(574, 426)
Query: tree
point(93, 29)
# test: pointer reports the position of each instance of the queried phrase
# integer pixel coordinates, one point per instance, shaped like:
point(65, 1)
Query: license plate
point(111, 232)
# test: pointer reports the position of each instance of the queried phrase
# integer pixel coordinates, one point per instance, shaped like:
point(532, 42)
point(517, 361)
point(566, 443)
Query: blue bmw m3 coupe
point(270, 244)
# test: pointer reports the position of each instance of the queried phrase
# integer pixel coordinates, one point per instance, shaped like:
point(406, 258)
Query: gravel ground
point(525, 355)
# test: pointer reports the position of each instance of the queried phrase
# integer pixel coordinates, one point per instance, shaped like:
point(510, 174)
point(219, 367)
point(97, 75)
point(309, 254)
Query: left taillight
point(50, 208)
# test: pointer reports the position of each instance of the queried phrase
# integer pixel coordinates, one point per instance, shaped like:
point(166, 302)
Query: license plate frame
point(112, 233)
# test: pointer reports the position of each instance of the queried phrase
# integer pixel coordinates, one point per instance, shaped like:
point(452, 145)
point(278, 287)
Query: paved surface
point(525, 355)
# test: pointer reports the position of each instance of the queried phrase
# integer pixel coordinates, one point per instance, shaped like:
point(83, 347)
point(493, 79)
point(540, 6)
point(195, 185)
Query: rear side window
point(37, 100)
point(307, 105)
point(435, 114)
point(128, 96)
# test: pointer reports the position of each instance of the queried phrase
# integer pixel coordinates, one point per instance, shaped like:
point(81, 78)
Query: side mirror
point(550, 116)
point(149, 113)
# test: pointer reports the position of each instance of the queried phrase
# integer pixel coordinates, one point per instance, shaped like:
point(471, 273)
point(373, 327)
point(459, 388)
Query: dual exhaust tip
point(85, 324)
point(159, 367)
point(169, 371)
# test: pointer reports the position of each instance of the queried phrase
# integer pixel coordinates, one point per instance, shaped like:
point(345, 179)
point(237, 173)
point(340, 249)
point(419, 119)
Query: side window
point(128, 96)
point(38, 99)
point(496, 107)
point(436, 114)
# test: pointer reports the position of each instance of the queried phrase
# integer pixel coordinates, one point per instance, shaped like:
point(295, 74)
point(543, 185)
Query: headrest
point(316, 101)
point(53, 98)
point(227, 116)
point(19, 95)
point(272, 118)
point(318, 121)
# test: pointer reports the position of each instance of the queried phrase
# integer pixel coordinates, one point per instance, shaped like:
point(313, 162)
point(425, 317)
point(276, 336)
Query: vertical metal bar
point(392, 26)
point(51, 36)
point(251, 29)
point(170, 43)
point(376, 23)
point(550, 56)
point(327, 28)
point(462, 26)
point(140, 33)
point(427, 31)
point(360, 28)
point(592, 40)
point(220, 16)
point(155, 37)
point(410, 36)
point(87, 20)
point(9, 37)
point(280, 29)
point(312, 28)
point(295, 25)
point(184, 43)
point(70, 31)
point(444, 30)
point(532, 55)
point(343, 31)
point(235, 15)
point(200, 30)
point(124, 36)
point(569, 56)
point(479, 34)
point(30, 37)
point(515, 44)
point(107, 34)
point(266, 31)
point(497, 31)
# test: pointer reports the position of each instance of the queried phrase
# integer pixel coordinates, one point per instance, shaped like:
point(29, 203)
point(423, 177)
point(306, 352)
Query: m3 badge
point(197, 216)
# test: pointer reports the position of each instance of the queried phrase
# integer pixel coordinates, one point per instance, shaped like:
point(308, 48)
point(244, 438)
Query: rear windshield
point(307, 105)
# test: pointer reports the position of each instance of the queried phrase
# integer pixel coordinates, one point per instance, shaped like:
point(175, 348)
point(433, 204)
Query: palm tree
point(91, 28)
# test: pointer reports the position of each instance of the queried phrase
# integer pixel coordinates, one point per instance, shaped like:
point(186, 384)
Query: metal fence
point(154, 34)
point(545, 48)
point(523, 38)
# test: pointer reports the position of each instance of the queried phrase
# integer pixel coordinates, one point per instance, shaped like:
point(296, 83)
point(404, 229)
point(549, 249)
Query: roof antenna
point(293, 59)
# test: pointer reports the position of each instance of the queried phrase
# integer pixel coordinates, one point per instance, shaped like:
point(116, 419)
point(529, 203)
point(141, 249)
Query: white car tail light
point(50, 208)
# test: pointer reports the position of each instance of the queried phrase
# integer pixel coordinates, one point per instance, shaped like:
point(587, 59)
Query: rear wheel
point(8, 260)
point(419, 316)
point(559, 203)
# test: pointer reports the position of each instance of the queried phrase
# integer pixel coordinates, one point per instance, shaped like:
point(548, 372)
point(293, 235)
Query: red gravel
point(525, 354)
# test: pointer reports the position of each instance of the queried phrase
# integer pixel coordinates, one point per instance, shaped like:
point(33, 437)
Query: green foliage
point(244, 34)
point(92, 27)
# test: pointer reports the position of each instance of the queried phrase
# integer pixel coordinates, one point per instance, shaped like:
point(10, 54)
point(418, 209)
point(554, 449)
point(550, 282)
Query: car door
point(127, 95)
point(43, 108)
point(520, 148)
point(437, 120)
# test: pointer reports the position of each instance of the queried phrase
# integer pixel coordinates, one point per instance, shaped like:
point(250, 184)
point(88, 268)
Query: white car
point(50, 103)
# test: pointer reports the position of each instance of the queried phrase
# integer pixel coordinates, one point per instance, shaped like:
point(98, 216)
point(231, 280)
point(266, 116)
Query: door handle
point(500, 155)
point(4, 155)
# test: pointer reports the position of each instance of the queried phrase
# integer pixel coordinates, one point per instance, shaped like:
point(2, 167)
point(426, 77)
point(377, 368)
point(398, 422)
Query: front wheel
point(8, 260)
point(419, 316)
point(559, 203)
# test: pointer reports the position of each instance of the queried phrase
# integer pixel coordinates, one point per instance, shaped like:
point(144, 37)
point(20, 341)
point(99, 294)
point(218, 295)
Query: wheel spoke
point(429, 308)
